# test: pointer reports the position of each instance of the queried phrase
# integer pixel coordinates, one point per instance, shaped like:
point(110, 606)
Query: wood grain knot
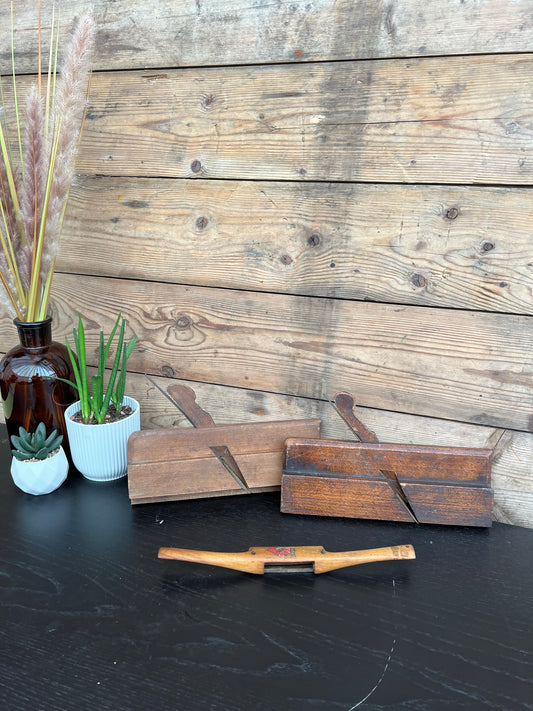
point(136, 204)
point(208, 100)
point(418, 280)
point(452, 213)
point(183, 322)
point(196, 166)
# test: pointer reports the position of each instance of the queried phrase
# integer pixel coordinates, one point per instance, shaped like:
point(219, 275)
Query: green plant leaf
point(21, 445)
point(75, 369)
point(21, 456)
point(110, 387)
point(39, 437)
point(25, 437)
point(84, 404)
point(130, 346)
point(121, 385)
point(116, 363)
point(79, 370)
point(97, 382)
point(82, 357)
point(110, 339)
point(64, 380)
point(53, 440)
point(118, 393)
point(102, 357)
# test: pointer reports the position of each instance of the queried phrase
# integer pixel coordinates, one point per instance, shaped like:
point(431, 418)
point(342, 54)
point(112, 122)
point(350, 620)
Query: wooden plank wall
point(295, 198)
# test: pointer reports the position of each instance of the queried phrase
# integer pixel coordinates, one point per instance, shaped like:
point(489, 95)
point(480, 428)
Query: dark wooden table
point(93, 621)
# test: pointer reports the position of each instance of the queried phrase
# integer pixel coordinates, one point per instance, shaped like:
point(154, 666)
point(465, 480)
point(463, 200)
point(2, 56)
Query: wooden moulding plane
point(393, 482)
point(208, 460)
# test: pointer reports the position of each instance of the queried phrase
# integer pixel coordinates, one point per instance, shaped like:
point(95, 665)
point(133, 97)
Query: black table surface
point(93, 620)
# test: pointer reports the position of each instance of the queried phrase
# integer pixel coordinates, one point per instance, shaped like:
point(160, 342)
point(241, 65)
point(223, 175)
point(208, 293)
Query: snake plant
point(35, 445)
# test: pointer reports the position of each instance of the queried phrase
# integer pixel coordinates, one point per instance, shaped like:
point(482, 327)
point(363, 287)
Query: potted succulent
point(39, 463)
point(101, 421)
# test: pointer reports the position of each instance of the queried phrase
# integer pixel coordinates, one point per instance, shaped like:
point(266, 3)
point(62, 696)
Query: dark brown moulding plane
point(394, 482)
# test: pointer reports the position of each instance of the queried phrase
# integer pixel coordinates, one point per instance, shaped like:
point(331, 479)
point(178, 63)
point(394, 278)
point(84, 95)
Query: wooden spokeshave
point(288, 559)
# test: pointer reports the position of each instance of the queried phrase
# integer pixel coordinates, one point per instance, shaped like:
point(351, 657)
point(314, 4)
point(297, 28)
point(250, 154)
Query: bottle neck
point(34, 335)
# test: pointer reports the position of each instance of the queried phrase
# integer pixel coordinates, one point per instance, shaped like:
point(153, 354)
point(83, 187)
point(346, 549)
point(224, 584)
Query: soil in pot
point(113, 415)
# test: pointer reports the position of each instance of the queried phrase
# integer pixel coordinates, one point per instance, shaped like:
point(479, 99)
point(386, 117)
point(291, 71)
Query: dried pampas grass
point(36, 175)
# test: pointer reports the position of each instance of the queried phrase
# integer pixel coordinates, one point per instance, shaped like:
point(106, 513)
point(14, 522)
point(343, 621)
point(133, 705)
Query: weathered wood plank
point(413, 121)
point(468, 366)
point(436, 246)
point(512, 470)
point(163, 33)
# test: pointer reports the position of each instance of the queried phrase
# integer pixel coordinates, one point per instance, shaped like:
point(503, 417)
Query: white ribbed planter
point(42, 476)
point(100, 452)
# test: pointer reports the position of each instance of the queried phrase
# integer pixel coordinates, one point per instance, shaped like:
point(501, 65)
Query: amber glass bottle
point(30, 391)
